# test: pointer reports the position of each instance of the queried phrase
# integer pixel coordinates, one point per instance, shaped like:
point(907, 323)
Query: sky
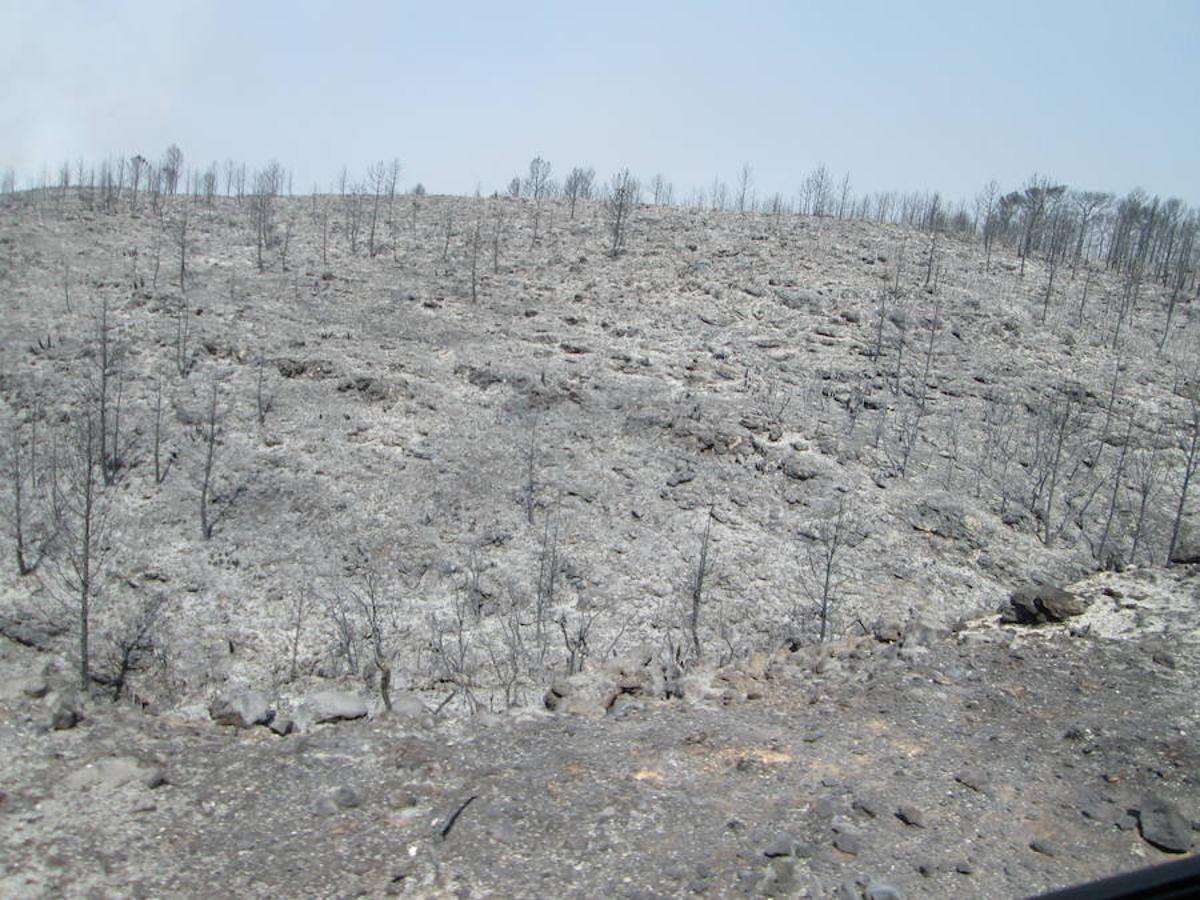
point(920, 96)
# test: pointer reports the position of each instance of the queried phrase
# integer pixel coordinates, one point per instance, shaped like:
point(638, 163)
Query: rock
point(911, 815)
point(946, 516)
point(888, 632)
point(1187, 549)
point(869, 806)
point(334, 706)
point(64, 710)
point(406, 703)
point(1039, 605)
point(923, 633)
point(805, 466)
point(1163, 826)
point(847, 842)
point(282, 725)
point(589, 694)
point(241, 709)
point(115, 772)
point(345, 797)
point(35, 687)
point(783, 844)
point(25, 630)
point(974, 779)
point(779, 880)
point(881, 890)
point(680, 476)
point(1043, 846)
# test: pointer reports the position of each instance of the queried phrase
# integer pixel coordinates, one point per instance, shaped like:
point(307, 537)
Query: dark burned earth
point(577, 521)
point(995, 762)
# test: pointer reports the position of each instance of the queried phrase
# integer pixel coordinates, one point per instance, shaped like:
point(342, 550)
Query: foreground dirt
point(996, 762)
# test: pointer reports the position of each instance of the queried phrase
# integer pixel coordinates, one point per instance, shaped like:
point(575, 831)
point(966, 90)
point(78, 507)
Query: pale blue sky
point(938, 95)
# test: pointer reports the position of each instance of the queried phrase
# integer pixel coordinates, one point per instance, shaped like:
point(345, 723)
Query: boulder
point(1040, 604)
point(333, 706)
point(589, 694)
point(406, 703)
point(1187, 549)
point(806, 466)
point(241, 709)
point(64, 710)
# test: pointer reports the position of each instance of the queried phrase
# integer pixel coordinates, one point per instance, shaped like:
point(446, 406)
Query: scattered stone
point(881, 890)
point(241, 709)
point(680, 476)
point(345, 797)
point(1043, 846)
point(783, 844)
point(911, 815)
point(1164, 659)
point(1163, 826)
point(964, 867)
point(779, 880)
point(1127, 822)
point(848, 842)
point(871, 807)
point(282, 725)
point(35, 688)
point(974, 779)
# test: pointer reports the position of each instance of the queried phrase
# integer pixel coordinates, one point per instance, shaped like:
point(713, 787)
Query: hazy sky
point(924, 95)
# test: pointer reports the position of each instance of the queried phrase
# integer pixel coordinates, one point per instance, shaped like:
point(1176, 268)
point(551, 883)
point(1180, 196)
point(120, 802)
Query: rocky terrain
point(582, 521)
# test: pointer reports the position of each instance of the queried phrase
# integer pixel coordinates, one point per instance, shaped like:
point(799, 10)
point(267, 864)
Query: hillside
point(687, 451)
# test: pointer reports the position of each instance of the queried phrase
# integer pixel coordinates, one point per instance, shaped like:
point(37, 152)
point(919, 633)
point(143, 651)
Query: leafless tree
point(83, 519)
point(1191, 461)
point(476, 237)
point(262, 214)
point(618, 207)
point(161, 468)
point(1089, 206)
point(172, 168)
point(264, 400)
point(497, 235)
point(744, 183)
point(183, 229)
point(578, 186)
point(373, 598)
point(32, 525)
point(537, 188)
point(185, 356)
point(213, 507)
point(822, 571)
point(546, 584)
point(698, 584)
point(661, 189)
point(377, 177)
